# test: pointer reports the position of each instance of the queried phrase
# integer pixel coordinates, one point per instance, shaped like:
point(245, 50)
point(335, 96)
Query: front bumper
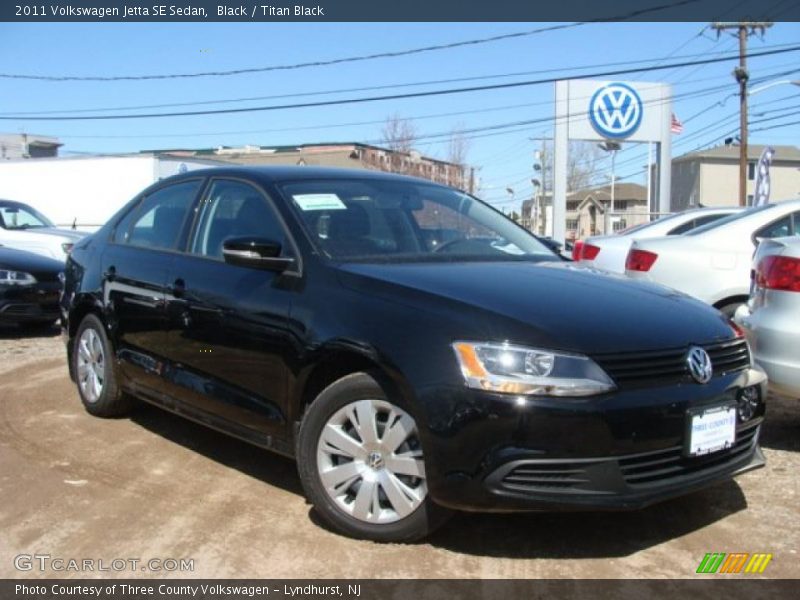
point(618, 451)
point(25, 304)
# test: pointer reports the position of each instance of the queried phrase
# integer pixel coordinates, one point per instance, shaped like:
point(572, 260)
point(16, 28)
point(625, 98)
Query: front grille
point(631, 473)
point(532, 476)
point(662, 465)
point(666, 367)
point(21, 309)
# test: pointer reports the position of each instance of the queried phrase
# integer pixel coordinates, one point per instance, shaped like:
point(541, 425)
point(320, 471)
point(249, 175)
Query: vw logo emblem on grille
point(699, 363)
point(615, 110)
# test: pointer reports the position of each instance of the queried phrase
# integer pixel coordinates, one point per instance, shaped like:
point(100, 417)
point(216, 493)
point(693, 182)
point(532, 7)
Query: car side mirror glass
point(256, 253)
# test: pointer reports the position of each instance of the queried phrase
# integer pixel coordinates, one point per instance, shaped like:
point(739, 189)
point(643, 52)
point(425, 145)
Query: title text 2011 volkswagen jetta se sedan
point(412, 348)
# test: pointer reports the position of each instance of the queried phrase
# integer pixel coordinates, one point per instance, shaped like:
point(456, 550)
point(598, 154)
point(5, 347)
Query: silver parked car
point(22, 227)
point(771, 317)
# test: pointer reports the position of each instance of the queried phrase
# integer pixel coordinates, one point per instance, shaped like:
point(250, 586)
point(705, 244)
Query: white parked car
point(22, 227)
point(712, 262)
point(771, 317)
point(608, 252)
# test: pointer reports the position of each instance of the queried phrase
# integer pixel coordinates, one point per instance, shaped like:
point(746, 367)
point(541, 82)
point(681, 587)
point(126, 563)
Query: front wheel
point(94, 371)
point(362, 466)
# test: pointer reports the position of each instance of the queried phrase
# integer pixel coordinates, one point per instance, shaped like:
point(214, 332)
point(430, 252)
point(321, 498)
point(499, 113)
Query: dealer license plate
point(712, 430)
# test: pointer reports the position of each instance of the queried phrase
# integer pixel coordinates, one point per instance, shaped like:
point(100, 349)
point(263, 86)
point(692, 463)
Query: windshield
point(20, 216)
point(729, 219)
point(407, 221)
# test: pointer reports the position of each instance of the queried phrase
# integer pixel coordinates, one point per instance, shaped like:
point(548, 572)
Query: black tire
point(110, 401)
point(424, 519)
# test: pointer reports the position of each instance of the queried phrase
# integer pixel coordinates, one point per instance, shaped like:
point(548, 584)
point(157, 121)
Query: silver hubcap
point(91, 365)
point(369, 460)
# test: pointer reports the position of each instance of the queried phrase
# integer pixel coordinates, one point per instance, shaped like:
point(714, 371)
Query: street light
point(773, 84)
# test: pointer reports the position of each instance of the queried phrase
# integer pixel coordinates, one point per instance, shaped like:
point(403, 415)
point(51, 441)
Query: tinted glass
point(780, 228)
point(234, 209)
point(730, 219)
point(683, 228)
point(160, 217)
point(390, 220)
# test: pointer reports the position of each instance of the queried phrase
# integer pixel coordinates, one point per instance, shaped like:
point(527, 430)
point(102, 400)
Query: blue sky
point(503, 160)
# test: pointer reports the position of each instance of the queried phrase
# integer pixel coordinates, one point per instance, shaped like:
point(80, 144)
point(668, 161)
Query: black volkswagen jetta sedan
point(411, 347)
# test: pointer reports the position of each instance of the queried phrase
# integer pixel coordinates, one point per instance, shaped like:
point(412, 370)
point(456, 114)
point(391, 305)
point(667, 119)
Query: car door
point(227, 339)
point(135, 266)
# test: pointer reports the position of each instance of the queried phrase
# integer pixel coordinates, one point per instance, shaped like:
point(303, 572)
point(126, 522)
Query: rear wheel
point(95, 373)
point(362, 466)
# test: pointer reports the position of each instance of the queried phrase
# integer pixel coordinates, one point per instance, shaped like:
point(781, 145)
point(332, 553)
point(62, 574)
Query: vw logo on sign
point(699, 363)
point(615, 110)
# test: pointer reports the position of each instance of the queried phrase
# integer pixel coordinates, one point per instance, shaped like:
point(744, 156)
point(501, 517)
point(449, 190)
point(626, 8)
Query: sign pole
point(560, 149)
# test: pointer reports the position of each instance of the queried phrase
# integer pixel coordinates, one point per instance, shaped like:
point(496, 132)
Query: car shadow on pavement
point(588, 534)
point(781, 429)
point(10, 331)
point(248, 459)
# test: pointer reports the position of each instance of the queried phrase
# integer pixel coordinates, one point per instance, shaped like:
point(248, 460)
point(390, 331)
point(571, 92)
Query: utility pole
point(744, 29)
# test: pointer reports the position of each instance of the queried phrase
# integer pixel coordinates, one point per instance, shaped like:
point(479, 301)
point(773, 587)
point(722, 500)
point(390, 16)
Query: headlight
point(16, 278)
point(520, 370)
point(67, 247)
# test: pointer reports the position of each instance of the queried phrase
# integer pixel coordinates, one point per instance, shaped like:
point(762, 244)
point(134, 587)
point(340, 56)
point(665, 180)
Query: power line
point(658, 60)
point(349, 124)
point(398, 96)
point(360, 58)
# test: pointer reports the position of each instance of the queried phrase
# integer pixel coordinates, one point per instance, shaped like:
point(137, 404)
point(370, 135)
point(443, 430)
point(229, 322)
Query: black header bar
point(276, 11)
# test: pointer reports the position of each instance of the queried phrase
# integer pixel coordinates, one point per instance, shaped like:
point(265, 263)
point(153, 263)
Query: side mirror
point(255, 253)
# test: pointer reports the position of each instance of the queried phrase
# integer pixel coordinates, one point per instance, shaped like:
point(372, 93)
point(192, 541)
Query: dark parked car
point(324, 314)
point(29, 288)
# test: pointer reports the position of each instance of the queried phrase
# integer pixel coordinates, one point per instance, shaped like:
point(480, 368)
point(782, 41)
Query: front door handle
point(178, 288)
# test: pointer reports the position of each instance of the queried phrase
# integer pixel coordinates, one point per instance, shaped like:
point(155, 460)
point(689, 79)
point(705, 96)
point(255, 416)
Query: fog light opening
point(747, 402)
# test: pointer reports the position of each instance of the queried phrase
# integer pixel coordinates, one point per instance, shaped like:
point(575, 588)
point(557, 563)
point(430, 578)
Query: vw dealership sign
point(620, 111)
point(615, 111)
point(633, 111)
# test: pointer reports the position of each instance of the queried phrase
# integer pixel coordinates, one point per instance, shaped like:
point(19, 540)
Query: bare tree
point(458, 147)
point(583, 163)
point(399, 134)
point(457, 150)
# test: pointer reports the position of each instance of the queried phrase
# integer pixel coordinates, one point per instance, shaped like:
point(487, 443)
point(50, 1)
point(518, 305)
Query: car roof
point(285, 173)
point(16, 203)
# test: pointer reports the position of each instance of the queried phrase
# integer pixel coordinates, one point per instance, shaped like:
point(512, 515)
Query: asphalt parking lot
point(156, 486)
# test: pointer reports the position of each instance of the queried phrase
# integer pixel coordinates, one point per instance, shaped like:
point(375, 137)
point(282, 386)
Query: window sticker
point(308, 202)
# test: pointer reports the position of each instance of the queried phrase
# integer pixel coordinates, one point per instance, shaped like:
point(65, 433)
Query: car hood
point(565, 306)
point(71, 234)
point(20, 260)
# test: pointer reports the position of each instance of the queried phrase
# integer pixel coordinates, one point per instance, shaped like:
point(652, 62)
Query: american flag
point(677, 126)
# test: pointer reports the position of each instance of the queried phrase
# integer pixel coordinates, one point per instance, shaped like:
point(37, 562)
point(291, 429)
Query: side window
point(123, 228)
point(683, 228)
point(233, 209)
point(160, 216)
point(707, 219)
point(780, 228)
